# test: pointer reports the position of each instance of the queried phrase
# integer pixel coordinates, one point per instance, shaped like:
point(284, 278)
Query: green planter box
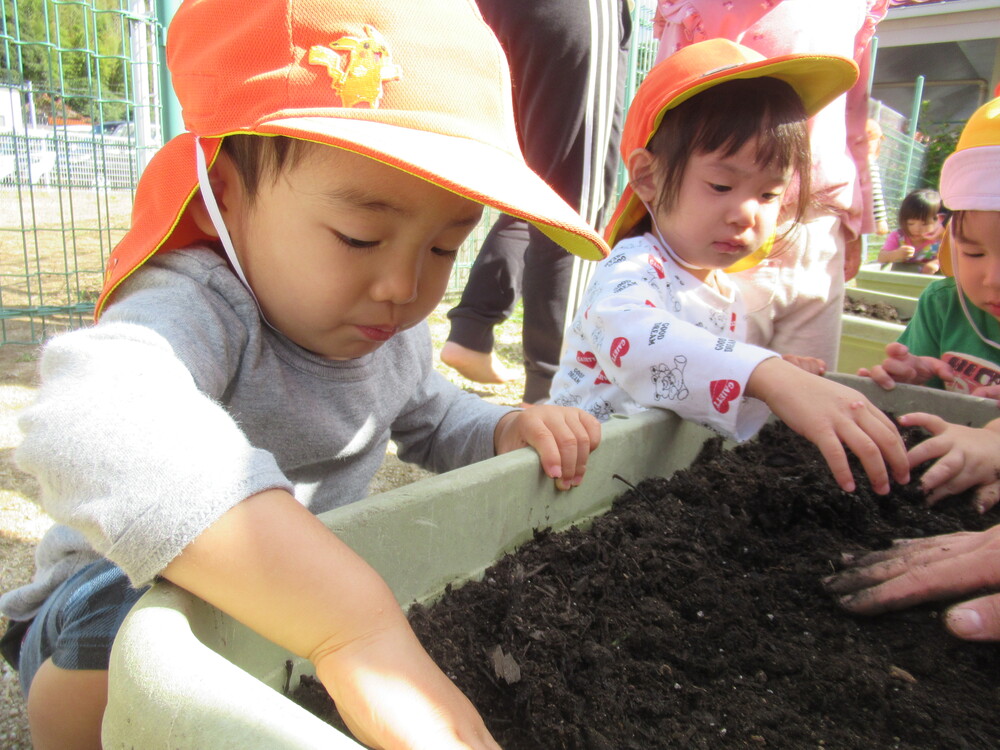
point(863, 341)
point(892, 282)
point(184, 676)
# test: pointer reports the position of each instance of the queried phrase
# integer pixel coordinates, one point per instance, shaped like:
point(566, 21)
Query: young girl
point(714, 137)
point(913, 247)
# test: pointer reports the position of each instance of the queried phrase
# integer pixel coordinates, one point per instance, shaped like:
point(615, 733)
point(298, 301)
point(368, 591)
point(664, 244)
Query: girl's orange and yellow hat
point(420, 86)
point(817, 79)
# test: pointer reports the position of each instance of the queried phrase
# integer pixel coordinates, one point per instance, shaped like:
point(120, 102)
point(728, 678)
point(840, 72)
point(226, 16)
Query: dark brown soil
point(876, 310)
point(692, 615)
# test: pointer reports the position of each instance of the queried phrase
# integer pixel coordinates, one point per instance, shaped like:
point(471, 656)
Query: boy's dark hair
point(726, 117)
point(923, 204)
point(257, 157)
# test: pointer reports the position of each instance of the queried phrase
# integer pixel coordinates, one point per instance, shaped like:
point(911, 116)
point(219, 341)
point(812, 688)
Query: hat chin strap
point(220, 226)
point(666, 245)
point(965, 309)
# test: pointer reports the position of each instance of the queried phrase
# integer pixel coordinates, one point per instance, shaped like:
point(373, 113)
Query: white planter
point(184, 676)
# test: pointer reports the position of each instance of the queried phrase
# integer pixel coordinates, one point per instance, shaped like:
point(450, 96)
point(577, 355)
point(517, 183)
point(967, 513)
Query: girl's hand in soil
point(899, 366)
point(966, 457)
point(564, 438)
point(832, 416)
point(810, 364)
point(914, 571)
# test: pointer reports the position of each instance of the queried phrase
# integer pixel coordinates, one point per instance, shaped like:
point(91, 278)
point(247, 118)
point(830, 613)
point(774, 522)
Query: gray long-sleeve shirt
point(182, 402)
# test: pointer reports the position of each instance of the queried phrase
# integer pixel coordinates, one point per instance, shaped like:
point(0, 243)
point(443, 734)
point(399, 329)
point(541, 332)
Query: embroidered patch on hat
point(358, 67)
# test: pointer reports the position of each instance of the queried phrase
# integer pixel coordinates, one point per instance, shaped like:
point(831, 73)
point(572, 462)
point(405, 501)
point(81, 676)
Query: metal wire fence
point(80, 115)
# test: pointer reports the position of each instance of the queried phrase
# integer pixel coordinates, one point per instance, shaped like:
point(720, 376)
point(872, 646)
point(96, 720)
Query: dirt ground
point(692, 616)
point(22, 523)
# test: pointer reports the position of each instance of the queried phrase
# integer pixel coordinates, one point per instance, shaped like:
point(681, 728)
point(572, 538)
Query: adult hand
point(966, 457)
point(899, 366)
point(853, 252)
point(563, 436)
point(914, 571)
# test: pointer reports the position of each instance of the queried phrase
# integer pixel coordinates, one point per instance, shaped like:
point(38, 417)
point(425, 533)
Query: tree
point(73, 52)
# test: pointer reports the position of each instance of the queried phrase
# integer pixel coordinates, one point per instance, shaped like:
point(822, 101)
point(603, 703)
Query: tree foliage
point(74, 54)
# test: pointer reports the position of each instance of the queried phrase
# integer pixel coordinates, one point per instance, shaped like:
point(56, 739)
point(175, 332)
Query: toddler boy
point(260, 339)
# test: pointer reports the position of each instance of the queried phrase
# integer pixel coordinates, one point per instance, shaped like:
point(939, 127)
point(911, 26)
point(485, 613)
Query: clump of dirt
point(876, 310)
point(692, 615)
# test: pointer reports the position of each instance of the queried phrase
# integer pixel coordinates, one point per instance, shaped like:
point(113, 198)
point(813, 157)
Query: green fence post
point(173, 124)
point(918, 94)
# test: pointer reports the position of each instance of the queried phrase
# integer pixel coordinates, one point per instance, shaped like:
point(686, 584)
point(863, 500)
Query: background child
point(953, 339)
point(261, 339)
point(913, 246)
point(713, 139)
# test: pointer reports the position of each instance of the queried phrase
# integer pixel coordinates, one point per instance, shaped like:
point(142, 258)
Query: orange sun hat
point(422, 87)
point(817, 79)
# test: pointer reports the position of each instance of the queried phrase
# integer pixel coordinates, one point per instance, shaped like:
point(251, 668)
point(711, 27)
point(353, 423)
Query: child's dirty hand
point(899, 366)
point(833, 416)
point(966, 457)
point(562, 436)
point(938, 568)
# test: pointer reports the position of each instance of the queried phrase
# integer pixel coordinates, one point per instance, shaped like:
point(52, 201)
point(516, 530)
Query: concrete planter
point(184, 676)
point(892, 282)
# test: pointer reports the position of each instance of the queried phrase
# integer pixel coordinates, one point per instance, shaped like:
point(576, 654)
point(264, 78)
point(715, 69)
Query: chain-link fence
point(80, 116)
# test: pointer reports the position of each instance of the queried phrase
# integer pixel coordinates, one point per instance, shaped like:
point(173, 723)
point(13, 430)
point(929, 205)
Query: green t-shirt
point(940, 328)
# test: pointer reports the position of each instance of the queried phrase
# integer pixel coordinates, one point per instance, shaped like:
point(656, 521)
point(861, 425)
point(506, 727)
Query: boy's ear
point(225, 182)
point(642, 174)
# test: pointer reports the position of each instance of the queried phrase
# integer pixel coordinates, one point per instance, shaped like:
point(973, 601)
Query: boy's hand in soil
point(563, 437)
point(832, 416)
point(966, 457)
point(274, 566)
point(899, 366)
point(914, 571)
point(392, 695)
